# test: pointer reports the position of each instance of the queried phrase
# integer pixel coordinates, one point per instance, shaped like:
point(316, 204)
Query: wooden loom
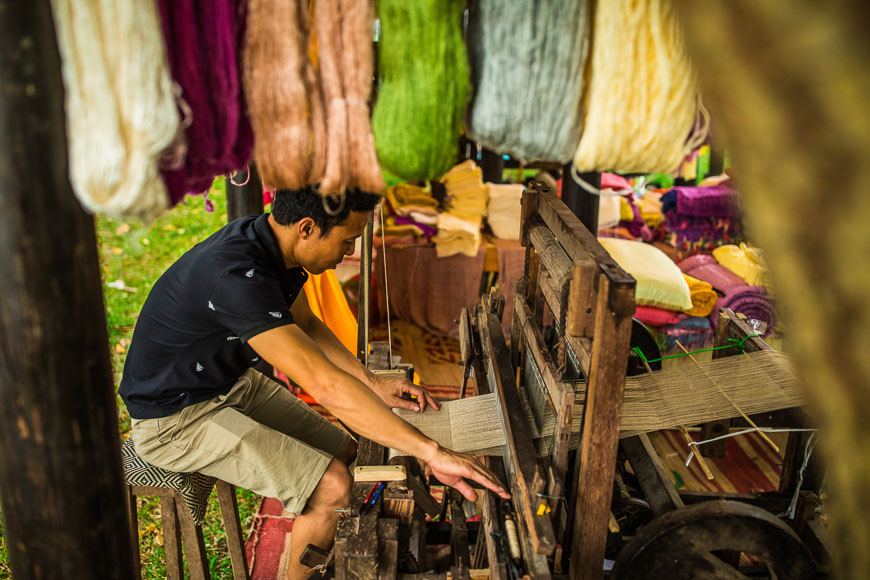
point(589, 296)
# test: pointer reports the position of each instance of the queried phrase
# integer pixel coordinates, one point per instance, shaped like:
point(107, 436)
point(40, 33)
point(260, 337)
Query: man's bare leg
point(316, 524)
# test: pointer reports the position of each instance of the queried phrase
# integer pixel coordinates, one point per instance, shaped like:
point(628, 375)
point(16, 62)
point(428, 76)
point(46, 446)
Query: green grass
point(136, 254)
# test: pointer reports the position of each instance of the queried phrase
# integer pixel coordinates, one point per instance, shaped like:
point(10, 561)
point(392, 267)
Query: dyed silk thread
point(120, 109)
point(424, 87)
point(527, 61)
point(642, 96)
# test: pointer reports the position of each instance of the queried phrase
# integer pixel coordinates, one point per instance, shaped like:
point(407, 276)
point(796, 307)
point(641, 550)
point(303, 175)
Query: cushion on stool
point(194, 487)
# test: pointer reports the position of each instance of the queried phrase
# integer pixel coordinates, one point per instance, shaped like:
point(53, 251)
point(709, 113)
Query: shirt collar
point(293, 277)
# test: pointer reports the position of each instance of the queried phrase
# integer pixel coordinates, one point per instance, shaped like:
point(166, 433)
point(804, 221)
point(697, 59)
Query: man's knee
point(349, 453)
point(333, 491)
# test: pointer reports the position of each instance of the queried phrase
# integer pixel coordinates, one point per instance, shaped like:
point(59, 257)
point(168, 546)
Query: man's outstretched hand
point(390, 392)
point(452, 468)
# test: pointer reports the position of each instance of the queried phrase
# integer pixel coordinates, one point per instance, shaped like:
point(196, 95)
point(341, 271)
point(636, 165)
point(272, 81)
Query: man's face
point(325, 253)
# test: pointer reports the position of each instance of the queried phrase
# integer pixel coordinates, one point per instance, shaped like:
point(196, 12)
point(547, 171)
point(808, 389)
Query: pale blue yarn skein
point(528, 59)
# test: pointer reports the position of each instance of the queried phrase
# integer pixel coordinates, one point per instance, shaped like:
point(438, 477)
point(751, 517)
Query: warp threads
point(424, 86)
point(642, 97)
point(120, 109)
point(527, 61)
point(202, 41)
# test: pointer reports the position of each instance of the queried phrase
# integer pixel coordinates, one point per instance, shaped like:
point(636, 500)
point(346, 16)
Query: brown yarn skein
point(315, 101)
point(274, 62)
point(357, 58)
point(328, 34)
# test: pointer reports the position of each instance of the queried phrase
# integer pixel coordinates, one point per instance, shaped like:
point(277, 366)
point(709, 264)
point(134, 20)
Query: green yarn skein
point(424, 86)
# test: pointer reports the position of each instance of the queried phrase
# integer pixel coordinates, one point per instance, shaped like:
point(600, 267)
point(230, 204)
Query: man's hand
point(391, 390)
point(451, 467)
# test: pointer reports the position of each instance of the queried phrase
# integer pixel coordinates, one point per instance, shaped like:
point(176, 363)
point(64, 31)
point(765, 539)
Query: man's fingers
point(435, 404)
point(466, 490)
point(405, 404)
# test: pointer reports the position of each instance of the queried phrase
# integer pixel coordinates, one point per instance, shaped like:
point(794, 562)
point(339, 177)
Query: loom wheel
point(680, 545)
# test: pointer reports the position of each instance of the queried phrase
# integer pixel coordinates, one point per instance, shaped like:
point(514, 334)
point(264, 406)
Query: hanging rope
point(120, 109)
point(424, 87)
point(642, 98)
point(527, 59)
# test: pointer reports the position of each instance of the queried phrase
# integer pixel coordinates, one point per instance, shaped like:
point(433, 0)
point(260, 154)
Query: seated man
point(197, 405)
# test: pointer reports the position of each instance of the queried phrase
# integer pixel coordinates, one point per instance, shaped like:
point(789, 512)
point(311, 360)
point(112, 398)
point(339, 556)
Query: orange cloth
point(328, 303)
point(703, 297)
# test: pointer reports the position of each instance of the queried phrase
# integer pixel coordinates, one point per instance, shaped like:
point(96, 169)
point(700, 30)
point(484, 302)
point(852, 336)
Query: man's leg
point(316, 524)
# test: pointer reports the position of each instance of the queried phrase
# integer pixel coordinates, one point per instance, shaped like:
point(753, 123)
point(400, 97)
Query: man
point(196, 405)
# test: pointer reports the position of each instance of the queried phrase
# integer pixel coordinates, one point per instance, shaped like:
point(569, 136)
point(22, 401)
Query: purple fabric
point(706, 268)
point(203, 43)
point(751, 301)
point(718, 201)
point(428, 231)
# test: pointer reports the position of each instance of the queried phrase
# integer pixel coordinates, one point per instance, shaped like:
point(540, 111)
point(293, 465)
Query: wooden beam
point(64, 507)
point(654, 480)
point(526, 476)
point(599, 436)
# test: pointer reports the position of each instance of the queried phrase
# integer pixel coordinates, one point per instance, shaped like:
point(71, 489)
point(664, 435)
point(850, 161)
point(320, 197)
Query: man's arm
point(390, 391)
point(294, 353)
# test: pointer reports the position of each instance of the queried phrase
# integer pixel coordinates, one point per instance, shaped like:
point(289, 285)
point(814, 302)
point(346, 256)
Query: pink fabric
point(706, 268)
point(656, 317)
point(614, 182)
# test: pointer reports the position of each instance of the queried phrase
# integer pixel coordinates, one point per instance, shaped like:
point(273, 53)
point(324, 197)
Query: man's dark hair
point(291, 205)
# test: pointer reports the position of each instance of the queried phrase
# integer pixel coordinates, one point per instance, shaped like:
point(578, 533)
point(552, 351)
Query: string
point(808, 451)
point(693, 444)
point(247, 177)
point(737, 344)
point(386, 288)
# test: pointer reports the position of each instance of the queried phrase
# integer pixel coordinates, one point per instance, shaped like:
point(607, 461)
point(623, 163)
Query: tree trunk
point(60, 467)
point(787, 84)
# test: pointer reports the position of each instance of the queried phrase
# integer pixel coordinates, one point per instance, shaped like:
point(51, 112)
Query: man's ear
point(307, 228)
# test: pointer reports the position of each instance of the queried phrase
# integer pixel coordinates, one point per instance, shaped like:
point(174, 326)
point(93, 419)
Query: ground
point(132, 256)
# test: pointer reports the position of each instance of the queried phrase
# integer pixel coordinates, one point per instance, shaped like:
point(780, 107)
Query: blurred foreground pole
point(61, 486)
point(786, 84)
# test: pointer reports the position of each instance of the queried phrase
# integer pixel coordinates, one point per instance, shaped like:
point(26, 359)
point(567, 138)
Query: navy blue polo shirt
point(190, 342)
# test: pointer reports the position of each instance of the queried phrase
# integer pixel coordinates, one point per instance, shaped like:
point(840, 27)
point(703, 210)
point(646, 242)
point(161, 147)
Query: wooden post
point(247, 197)
point(581, 202)
point(63, 496)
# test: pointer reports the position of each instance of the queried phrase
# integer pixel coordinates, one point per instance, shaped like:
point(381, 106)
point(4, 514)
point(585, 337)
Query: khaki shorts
point(258, 436)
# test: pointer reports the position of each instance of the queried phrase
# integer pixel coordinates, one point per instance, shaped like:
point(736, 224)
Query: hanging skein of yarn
point(358, 60)
point(120, 110)
point(343, 31)
point(642, 96)
point(424, 86)
point(274, 65)
point(203, 40)
point(527, 61)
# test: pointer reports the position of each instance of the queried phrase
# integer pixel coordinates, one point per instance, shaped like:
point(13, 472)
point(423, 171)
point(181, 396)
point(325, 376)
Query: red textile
point(652, 316)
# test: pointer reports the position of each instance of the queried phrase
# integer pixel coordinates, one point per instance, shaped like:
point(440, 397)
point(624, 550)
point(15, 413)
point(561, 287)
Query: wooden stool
point(182, 515)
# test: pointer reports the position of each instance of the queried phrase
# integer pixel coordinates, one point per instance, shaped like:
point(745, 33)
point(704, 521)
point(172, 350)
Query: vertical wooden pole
point(247, 198)
point(61, 487)
point(599, 437)
point(581, 202)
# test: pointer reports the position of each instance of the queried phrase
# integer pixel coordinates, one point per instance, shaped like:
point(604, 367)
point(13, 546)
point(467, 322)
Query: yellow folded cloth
point(745, 261)
point(703, 297)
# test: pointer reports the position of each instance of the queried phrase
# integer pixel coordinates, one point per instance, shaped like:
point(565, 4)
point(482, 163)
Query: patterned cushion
point(194, 487)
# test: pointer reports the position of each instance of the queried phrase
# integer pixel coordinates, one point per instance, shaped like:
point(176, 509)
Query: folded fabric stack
point(459, 227)
point(699, 219)
point(413, 212)
point(745, 261)
point(504, 210)
point(752, 301)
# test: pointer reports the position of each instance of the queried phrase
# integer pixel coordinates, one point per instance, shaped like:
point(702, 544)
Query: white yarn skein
point(642, 99)
point(528, 58)
point(120, 109)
